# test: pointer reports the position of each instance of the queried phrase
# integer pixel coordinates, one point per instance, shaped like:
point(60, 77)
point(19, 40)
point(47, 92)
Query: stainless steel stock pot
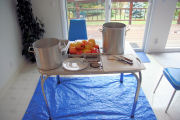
point(47, 53)
point(113, 34)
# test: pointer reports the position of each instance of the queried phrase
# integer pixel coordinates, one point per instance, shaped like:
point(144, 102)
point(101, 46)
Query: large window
point(131, 13)
point(174, 33)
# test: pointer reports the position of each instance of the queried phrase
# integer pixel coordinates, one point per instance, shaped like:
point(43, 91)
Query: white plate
point(75, 64)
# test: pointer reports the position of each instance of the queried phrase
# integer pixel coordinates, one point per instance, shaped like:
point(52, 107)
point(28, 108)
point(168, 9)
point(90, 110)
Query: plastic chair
point(173, 76)
point(77, 30)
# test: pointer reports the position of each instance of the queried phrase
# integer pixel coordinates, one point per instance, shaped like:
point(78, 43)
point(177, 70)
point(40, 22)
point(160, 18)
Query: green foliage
point(70, 5)
point(32, 28)
point(91, 5)
point(86, 13)
point(178, 5)
point(118, 4)
point(146, 4)
point(99, 14)
point(176, 13)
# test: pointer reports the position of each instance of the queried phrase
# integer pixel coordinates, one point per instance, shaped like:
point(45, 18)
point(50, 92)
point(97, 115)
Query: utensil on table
point(122, 59)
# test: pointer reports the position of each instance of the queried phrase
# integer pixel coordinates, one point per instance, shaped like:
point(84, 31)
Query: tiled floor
point(16, 97)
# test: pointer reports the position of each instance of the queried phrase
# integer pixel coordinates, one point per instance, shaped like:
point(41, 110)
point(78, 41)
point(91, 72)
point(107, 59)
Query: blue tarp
point(87, 98)
point(143, 57)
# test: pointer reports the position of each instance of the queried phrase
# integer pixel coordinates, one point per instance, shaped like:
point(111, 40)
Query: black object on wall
point(31, 27)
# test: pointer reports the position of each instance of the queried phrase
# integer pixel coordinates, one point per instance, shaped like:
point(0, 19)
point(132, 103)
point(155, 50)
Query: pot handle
point(128, 28)
point(29, 49)
point(100, 30)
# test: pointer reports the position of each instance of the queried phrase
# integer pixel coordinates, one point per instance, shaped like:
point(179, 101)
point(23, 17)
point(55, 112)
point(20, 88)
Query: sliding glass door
point(133, 13)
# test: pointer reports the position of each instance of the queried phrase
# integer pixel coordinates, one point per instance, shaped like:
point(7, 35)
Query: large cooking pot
point(47, 53)
point(113, 34)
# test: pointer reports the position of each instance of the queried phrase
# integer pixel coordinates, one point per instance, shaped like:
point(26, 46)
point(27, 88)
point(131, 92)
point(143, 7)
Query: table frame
point(138, 78)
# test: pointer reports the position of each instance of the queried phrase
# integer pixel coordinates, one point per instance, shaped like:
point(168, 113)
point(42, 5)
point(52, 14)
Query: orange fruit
point(72, 45)
point(91, 43)
point(84, 42)
point(86, 51)
point(79, 52)
point(72, 50)
point(96, 46)
point(92, 40)
point(80, 46)
point(88, 46)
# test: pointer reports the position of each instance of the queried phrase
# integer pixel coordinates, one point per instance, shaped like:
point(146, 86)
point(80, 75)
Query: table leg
point(42, 87)
point(121, 77)
point(139, 79)
point(58, 79)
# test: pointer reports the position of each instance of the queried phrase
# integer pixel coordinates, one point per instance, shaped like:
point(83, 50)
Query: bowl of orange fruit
point(88, 48)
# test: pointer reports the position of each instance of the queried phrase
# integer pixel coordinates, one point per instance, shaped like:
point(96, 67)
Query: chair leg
point(170, 101)
point(158, 83)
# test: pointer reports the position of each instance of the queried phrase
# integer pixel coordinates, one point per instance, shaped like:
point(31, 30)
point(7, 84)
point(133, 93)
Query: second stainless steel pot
point(113, 37)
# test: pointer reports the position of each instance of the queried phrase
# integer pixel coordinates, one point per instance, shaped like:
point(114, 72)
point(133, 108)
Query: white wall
point(160, 22)
point(10, 35)
point(48, 11)
point(63, 18)
point(10, 41)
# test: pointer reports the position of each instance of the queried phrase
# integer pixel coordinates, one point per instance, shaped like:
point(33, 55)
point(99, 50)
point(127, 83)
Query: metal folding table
point(108, 67)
